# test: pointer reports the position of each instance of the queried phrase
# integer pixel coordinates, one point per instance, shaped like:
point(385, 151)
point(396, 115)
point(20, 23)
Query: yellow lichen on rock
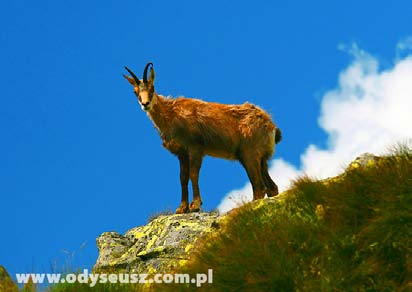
point(161, 245)
point(188, 247)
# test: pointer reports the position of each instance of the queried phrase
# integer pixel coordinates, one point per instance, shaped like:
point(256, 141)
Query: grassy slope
point(351, 233)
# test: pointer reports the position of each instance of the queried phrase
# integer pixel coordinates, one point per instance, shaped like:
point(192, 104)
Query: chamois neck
point(162, 113)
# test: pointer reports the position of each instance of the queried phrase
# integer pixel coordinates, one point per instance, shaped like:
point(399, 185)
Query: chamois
point(192, 128)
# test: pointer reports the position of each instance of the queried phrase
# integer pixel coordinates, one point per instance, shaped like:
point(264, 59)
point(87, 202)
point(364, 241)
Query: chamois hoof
point(258, 196)
point(195, 206)
point(273, 193)
point(183, 208)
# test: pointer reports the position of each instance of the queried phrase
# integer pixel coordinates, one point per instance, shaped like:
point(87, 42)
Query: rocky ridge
point(166, 242)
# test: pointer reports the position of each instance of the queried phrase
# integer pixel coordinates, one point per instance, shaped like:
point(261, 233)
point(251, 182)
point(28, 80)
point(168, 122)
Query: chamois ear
point(130, 79)
point(152, 76)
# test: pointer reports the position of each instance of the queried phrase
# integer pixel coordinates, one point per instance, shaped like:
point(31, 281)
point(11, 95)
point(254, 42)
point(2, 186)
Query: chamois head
point(144, 89)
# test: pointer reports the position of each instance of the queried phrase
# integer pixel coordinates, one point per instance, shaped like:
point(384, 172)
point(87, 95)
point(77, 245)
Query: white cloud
point(403, 47)
point(369, 111)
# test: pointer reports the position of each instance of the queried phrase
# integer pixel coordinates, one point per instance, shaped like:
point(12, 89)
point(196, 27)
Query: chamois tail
point(278, 135)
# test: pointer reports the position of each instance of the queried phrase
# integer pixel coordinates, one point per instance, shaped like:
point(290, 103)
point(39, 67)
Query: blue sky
point(77, 155)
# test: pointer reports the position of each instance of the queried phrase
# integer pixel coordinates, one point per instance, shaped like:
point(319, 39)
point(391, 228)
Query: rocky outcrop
point(6, 283)
point(161, 245)
point(364, 160)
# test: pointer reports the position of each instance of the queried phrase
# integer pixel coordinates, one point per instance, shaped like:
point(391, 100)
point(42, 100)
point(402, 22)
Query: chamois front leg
point(195, 164)
point(184, 181)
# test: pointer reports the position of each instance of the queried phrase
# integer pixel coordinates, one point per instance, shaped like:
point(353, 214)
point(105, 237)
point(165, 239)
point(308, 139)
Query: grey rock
point(162, 244)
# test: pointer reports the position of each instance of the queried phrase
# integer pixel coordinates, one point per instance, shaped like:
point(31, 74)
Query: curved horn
point(145, 72)
point(133, 75)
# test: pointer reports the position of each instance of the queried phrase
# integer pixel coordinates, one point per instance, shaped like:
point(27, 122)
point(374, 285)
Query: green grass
point(352, 233)
point(156, 215)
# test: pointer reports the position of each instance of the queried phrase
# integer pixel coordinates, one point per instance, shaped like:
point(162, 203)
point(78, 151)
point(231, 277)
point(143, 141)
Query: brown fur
point(192, 128)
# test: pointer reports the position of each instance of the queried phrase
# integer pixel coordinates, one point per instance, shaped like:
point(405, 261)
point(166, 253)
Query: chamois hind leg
point(271, 187)
point(254, 172)
point(195, 164)
point(184, 181)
